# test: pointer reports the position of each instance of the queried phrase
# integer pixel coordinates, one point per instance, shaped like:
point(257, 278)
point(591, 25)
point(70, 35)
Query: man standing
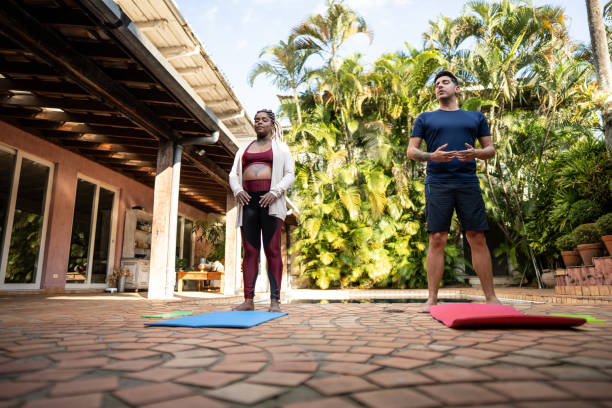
point(451, 182)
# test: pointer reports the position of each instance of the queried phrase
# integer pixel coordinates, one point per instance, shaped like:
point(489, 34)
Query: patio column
point(233, 241)
point(59, 226)
point(164, 224)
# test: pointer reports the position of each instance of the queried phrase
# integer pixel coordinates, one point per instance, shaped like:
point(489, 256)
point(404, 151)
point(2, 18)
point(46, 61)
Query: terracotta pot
point(607, 240)
point(588, 251)
point(570, 258)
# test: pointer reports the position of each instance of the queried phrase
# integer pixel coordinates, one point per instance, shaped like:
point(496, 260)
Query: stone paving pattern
point(94, 351)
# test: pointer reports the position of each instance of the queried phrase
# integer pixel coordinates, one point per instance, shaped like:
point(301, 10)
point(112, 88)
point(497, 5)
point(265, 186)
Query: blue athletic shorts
point(441, 199)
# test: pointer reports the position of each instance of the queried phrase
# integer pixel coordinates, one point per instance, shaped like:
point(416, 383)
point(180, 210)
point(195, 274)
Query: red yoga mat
point(485, 315)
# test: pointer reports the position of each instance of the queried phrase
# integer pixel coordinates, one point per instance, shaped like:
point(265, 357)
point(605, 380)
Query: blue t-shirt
point(455, 128)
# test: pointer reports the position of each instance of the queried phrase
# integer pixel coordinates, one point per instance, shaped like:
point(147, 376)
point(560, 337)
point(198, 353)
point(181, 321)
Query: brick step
point(604, 291)
point(598, 274)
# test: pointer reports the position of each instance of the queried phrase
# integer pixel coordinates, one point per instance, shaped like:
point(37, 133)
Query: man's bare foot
point(246, 305)
point(274, 306)
point(493, 301)
point(425, 307)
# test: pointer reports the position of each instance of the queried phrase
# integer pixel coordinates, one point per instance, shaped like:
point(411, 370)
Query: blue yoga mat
point(221, 319)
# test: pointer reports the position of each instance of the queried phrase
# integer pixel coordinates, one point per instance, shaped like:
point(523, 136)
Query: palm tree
point(326, 34)
point(345, 90)
point(512, 38)
point(558, 82)
point(446, 36)
point(601, 57)
point(288, 72)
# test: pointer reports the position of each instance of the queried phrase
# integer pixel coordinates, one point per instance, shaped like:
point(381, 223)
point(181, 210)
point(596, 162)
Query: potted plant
point(566, 245)
point(604, 228)
point(587, 238)
point(117, 279)
point(212, 236)
point(181, 264)
point(123, 275)
point(111, 280)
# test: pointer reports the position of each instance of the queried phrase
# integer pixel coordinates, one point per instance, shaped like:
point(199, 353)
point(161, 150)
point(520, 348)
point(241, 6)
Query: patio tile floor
point(94, 351)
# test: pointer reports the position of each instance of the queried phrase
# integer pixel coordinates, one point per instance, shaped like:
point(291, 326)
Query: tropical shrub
point(604, 224)
point(583, 211)
point(566, 242)
point(361, 202)
point(586, 234)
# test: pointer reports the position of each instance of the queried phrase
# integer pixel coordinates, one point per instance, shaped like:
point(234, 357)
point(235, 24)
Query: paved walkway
point(93, 351)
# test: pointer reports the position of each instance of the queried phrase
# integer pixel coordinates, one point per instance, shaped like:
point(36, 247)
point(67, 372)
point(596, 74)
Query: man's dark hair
point(446, 74)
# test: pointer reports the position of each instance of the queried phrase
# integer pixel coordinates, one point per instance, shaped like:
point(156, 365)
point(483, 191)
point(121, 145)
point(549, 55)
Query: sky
point(234, 32)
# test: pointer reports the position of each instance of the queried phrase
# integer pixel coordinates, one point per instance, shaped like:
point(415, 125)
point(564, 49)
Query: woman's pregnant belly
point(257, 172)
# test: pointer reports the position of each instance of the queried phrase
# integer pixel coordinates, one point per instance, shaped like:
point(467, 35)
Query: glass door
point(24, 203)
point(93, 235)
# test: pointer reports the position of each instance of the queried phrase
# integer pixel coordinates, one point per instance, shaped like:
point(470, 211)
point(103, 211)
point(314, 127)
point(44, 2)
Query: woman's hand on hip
point(243, 198)
point(267, 199)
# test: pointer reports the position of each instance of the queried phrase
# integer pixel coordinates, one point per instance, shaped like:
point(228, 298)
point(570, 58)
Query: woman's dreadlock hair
point(277, 131)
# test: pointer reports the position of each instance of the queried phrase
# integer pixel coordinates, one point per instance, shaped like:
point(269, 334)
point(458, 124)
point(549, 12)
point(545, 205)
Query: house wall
point(68, 166)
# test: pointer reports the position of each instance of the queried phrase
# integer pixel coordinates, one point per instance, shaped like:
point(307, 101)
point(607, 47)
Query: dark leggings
point(256, 222)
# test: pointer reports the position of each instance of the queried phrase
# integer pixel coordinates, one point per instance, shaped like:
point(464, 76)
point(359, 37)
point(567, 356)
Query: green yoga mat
point(167, 315)
point(588, 318)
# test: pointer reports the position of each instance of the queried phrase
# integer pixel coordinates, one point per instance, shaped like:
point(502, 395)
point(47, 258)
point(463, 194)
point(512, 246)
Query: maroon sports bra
point(266, 158)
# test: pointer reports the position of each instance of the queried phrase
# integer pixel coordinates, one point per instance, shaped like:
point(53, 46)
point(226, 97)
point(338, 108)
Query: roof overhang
point(81, 75)
point(165, 27)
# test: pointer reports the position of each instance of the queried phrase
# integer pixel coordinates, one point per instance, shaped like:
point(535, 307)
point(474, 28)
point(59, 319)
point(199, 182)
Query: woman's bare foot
point(274, 306)
point(493, 301)
point(246, 305)
point(425, 307)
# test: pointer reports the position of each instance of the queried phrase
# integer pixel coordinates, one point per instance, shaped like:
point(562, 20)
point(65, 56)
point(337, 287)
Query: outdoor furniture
point(75, 276)
point(198, 276)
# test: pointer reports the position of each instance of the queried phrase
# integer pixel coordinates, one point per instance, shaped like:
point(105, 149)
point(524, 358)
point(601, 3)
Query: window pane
point(27, 223)
point(7, 166)
point(103, 231)
point(81, 231)
point(187, 242)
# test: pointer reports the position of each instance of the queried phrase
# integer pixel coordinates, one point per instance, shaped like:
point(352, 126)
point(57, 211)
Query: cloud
point(368, 4)
point(320, 8)
point(247, 17)
point(211, 13)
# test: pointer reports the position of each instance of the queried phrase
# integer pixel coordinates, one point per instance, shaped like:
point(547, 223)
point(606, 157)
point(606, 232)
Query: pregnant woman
point(261, 174)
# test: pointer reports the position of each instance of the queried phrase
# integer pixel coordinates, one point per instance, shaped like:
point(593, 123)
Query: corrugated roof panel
point(161, 23)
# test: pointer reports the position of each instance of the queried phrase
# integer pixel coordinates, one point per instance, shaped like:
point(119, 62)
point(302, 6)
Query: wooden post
point(233, 242)
point(161, 221)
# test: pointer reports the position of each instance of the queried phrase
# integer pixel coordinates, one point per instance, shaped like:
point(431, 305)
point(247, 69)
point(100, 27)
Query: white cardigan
point(282, 178)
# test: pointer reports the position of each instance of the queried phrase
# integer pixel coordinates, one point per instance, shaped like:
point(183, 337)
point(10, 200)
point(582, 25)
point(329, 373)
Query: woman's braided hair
point(277, 131)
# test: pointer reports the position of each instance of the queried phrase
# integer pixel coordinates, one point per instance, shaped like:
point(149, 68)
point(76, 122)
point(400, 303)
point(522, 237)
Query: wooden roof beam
point(45, 115)
point(126, 32)
point(61, 103)
point(206, 165)
point(100, 140)
point(82, 128)
point(24, 29)
point(99, 146)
